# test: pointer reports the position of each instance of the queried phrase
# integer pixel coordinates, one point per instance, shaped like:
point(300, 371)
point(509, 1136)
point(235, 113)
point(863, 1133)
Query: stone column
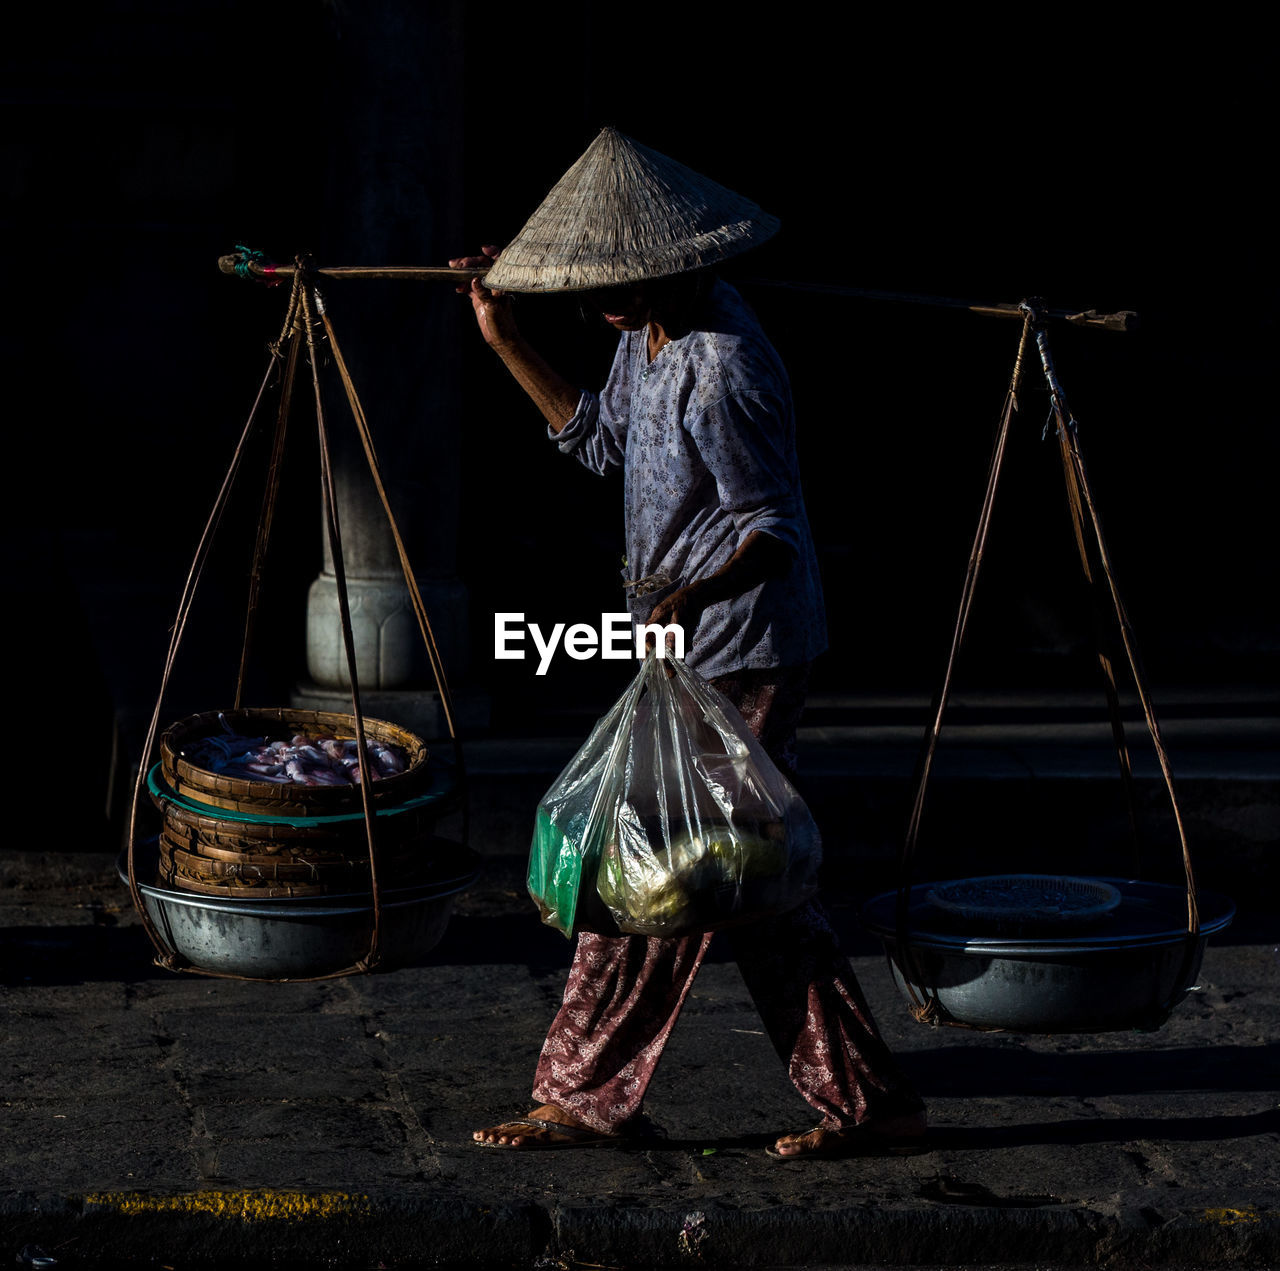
point(391, 100)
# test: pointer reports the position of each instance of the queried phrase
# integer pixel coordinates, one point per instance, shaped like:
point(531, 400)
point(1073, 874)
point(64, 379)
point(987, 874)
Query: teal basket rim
point(443, 785)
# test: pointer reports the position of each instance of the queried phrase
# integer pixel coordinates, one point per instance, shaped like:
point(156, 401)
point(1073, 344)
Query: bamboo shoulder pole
point(268, 272)
point(1121, 320)
point(249, 264)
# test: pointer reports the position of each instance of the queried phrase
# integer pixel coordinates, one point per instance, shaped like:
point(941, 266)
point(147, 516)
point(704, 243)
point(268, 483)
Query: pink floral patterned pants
point(624, 993)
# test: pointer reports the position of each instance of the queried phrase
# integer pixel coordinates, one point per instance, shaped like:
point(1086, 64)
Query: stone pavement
point(157, 1116)
point(176, 1121)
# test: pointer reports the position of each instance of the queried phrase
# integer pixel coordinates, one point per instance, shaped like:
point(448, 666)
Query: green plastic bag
point(557, 866)
point(670, 819)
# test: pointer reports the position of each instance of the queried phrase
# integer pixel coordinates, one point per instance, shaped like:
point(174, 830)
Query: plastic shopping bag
point(671, 819)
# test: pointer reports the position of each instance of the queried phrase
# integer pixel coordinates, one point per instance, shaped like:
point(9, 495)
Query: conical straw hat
point(624, 213)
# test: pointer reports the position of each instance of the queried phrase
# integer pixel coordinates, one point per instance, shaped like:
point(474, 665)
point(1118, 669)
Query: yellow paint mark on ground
point(1226, 1217)
point(246, 1206)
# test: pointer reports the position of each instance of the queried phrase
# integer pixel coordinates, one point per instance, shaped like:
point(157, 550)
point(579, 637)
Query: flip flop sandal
point(856, 1143)
point(574, 1136)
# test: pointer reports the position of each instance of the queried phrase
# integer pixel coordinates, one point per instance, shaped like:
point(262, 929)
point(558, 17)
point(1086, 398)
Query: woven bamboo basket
point(235, 838)
point(261, 876)
point(203, 828)
point(281, 875)
point(240, 795)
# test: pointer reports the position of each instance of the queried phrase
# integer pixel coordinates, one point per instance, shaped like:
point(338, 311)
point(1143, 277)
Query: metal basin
point(1129, 972)
point(290, 939)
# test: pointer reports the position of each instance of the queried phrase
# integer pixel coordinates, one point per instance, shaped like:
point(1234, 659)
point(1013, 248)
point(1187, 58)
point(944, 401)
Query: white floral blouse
point(705, 437)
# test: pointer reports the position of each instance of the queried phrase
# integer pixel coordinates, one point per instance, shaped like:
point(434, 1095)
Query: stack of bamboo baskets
point(236, 838)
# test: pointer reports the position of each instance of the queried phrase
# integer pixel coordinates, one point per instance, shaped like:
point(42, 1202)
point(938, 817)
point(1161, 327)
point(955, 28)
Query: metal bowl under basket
point(1130, 974)
point(293, 939)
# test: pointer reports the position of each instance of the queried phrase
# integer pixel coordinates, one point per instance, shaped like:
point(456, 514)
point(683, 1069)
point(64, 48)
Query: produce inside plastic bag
point(671, 819)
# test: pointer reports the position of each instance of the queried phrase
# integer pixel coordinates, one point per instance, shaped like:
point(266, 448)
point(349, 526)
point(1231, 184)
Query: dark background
point(1060, 155)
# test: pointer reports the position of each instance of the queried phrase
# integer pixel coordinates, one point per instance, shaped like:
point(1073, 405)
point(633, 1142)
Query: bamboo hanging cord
point(411, 581)
point(332, 528)
point(306, 322)
point(269, 496)
point(930, 1011)
point(166, 955)
point(1079, 492)
point(1094, 558)
point(419, 606)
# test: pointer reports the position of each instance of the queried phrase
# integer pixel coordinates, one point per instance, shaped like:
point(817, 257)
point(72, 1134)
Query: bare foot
point(517, 1133)
point(884, 1135)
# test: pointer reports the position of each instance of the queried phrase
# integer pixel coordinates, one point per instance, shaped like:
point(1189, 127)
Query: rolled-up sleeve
point(596, 435)
point(743, 440)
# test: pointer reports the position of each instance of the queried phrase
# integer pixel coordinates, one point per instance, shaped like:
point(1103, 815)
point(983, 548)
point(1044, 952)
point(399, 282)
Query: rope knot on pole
point(1034, 309)
point(244, 259)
